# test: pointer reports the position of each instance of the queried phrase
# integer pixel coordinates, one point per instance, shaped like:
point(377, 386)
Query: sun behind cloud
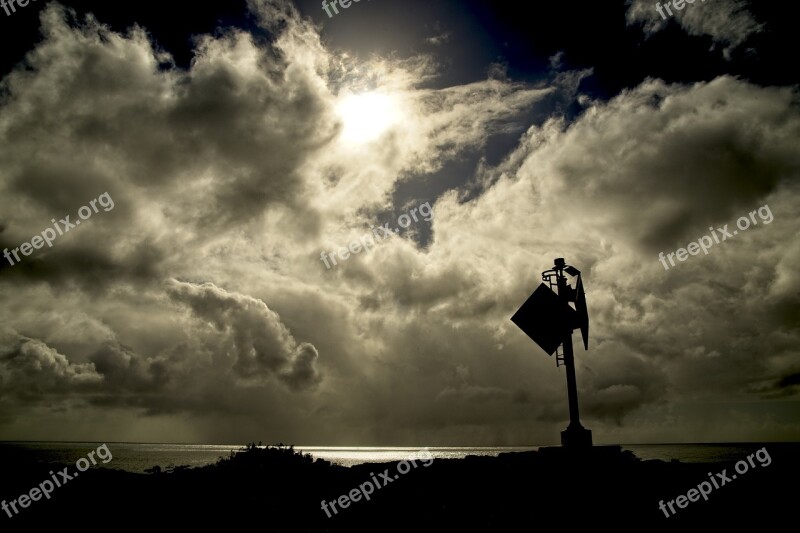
point(366, 116)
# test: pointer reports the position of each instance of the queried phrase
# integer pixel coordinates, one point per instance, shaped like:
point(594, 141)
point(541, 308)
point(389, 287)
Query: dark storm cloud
point(620, 381)
point(258, 341)
point(790, 381)
point(124, 370)
point(37, 374)
point(30, 370)
point(93, 268)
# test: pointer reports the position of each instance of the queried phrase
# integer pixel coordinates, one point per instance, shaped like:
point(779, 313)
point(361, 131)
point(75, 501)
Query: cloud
point(436, 40)
point(649, 170)
point(702, 154)
point(728, 22)
point(29, 368)
point(150, 126)
point(231, 173)
point(253, 335)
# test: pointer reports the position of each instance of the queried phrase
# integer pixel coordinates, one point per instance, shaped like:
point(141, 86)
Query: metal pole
point(569, 360)
point(575, 436)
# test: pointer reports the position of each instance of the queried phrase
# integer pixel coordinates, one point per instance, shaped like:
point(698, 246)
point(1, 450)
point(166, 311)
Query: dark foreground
point(279, 490)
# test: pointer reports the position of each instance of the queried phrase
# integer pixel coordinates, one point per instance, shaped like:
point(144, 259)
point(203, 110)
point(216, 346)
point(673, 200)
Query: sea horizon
point(139, 456)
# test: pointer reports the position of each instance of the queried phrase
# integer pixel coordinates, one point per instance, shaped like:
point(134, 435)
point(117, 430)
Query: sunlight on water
point(348, 456)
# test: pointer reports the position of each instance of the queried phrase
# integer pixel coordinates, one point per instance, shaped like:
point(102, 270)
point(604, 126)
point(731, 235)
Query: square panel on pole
point(545, 318)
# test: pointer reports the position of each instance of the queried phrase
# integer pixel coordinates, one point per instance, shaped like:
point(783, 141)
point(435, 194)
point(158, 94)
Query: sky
point(239, 170)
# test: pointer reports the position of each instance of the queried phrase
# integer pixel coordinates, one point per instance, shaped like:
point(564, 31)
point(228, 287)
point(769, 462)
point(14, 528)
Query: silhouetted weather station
point(548, 318)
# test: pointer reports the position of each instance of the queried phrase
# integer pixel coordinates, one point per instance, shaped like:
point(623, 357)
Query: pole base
point(576, 437)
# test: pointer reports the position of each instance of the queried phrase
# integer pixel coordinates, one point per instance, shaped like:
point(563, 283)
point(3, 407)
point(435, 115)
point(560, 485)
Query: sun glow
point(366, 116)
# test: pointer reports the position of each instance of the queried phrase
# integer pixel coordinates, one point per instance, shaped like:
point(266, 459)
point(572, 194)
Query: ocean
point(134, 457)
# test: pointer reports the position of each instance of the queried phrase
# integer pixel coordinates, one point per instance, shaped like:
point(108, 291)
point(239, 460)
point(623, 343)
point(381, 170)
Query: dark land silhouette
point(277, 489)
